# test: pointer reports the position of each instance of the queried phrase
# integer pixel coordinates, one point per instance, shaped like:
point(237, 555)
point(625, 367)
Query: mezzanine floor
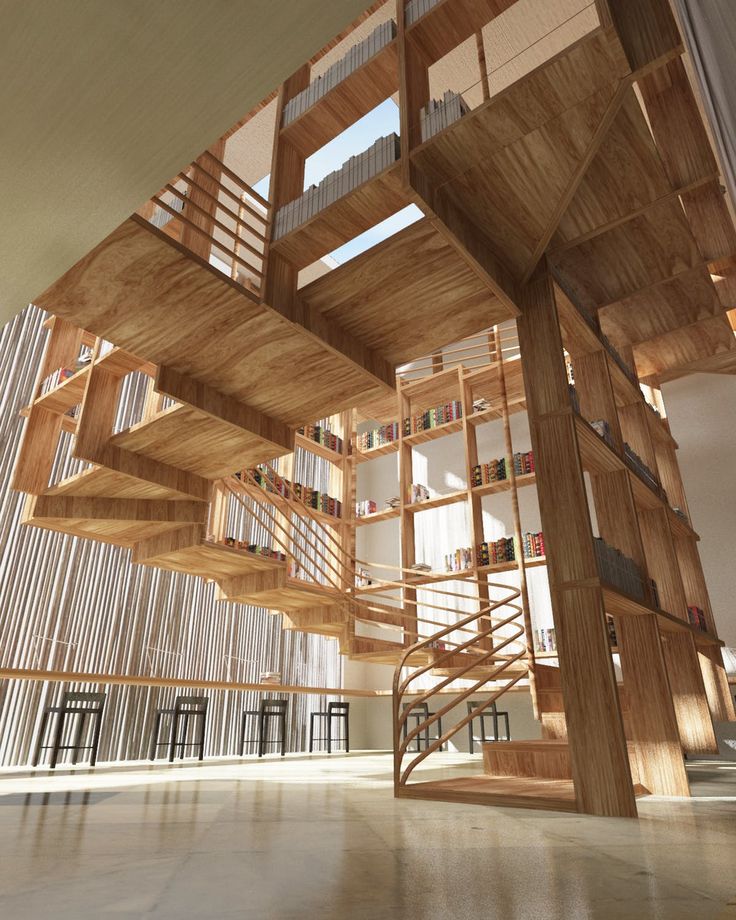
point(323, 837)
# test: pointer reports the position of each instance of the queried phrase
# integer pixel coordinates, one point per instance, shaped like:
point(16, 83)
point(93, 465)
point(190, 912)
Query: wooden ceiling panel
point(644, 251)
point(682, 300)
point(625, 175)
point(407, 296)
point(670, 355)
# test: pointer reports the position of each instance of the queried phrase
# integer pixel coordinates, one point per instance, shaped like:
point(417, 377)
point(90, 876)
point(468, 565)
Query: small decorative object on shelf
point(386, 434)
point(431, 418)
point(417, 493)
point(367, 506)
point(460, 560)
point(618, 570)
point(697, 617)
point(603, 430)
point(420, 567)
point(480, 405)
point(322, 436)
point(546, 640)
point(393, 502)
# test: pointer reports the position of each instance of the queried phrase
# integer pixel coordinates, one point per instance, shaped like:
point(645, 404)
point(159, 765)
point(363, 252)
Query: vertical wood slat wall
point(71, 604)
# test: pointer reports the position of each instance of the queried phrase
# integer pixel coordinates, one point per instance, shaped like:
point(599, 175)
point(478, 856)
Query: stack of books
point(431, 418)
point(322, 436)
point(393, 502)
point(357, 170)
point(680, 513)
point(54, 380)
point(546, 640)
point(493, 553)
point(612, 638)
point(367, 506)
point(481, 404)
point(618, 570)
point(603, 430)
point(639, 467)
point(524, 463)
point(697, 618)
point(437, 115)
point(255, 548)
point(483, 473)
point(574, 397)
point(415, 9)
point(417, 493)
point(358, 55)
point(387, 434)
point(533, 545)
point(460, 560)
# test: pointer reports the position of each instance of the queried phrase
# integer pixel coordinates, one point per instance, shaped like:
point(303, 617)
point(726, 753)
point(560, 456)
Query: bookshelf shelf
point(354, 96)
point(438, 501)
point(358, 210)
point(619, 604)
point(529, 563)
point(362, 456)
point(386, 514)
point(319, 449)
point(67, 394)
point(503, 485)
point(451, 22)
point(486, 415)
point(431, 434)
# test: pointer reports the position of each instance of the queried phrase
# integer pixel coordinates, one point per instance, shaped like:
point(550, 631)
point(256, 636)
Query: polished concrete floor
point(324, 838)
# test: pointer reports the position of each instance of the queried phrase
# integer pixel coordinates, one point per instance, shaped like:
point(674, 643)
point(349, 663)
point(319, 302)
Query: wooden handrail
point(238, 181)
point(223, 207)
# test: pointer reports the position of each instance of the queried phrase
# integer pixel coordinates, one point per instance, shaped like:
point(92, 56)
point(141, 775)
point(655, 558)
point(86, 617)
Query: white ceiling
point(102, 102)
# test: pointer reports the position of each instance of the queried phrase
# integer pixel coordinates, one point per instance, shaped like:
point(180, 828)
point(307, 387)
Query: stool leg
point(508, 730)
point(347, 733)
point(78, 736)
point(154, 737)
point(242, 734)
point(495, 725)
point(282, 720)
point(57, 739)
point(172, 739)
point(39, 743)
point(96, 738)
point(439, 731)
point(261, 727)
point(202, 721)
point(311, 731)
point(329, 734)
point(184, 736)
point(471, 744)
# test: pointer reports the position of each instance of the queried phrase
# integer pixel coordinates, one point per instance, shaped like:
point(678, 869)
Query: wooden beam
point(60, 507)
point(715, 681)
point(139, 467)
point(223, 408)
point(688, 693)
point(646, 29)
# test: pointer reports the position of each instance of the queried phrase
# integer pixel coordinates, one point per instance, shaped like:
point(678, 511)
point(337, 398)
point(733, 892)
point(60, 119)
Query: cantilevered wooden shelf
point(362, 90)
point(438, 501)
point(315, 447)
point(386, 514)
point(529, 563)
point(504, 485)
point(358, 210)
point(431, 434)
point(619, 604)
point(389, 448)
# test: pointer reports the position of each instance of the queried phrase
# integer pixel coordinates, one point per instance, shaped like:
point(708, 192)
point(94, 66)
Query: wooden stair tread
point(552, 795)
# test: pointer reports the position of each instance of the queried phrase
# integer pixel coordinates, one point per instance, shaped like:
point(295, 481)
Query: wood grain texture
point(688, 694)
point(715, 681)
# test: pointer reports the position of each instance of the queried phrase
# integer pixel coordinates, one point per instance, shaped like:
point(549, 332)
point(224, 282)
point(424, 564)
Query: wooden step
point(323, 621)
point(380, 651)
point(537, 759)
point(518, 792)
point(274, 589)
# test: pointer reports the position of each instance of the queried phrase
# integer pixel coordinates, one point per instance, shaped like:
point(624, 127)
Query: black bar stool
point(420, 712)
point(268, 710)
point(491, 712)
point(339, 711)
point(72, 704)
point(185, 708)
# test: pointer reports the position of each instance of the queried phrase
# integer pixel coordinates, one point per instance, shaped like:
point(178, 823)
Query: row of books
point(603, 430)
point(377, 437)
point(417, 493)
point(255, 548)
point(696, 615)
point(502, 550)
point(545, 639)
point(460, 560)
point(618, 570)
point(322, 436)
point(357, 170)
point(367, 506)
point(84, 358)
point(638, 465)
point(533, 545)
point(524, 463)
point(313, 498)
point(575, 402)
point(415, 9)
point(431, 418)
point(484, 473)
point(437, 115)
point(358, 55)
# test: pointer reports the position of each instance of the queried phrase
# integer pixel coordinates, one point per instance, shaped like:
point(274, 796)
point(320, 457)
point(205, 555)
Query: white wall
point(702, 413)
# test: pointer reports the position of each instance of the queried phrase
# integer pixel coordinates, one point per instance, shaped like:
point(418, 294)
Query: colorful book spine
point(460, 560)
point(433, 418)
point(378, 437)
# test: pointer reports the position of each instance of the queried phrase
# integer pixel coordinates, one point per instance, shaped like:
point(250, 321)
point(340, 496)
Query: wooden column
point(688, 692)
point(662, 560)
point(406, 521)
point(598, 750)
point(413, 92)
point(715, 681)
point(652, 718)
point(595, 392)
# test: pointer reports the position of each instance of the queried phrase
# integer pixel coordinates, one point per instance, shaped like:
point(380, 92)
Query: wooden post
point(598, 751)
point(688, 692)
point(413, 92)
point(406, 519)
point(715, 681)
point(199, 200)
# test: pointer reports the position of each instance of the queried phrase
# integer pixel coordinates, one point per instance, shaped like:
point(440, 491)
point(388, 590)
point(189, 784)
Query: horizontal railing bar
point(223, 207)
point(238, 181)
point(232, 195)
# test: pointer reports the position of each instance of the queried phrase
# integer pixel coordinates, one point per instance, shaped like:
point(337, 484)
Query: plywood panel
point(688, 694)
point(690, 346)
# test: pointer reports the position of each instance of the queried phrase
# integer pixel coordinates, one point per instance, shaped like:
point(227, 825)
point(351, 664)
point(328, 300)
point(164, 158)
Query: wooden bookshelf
point(431, 434)
point(504, 485)
point(386, 514)
point(362, 90)
point(320, 450)
point(438, 501)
